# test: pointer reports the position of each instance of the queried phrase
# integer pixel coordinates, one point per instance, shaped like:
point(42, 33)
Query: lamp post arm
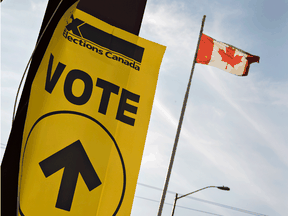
point(176, 197)
point(194, 191)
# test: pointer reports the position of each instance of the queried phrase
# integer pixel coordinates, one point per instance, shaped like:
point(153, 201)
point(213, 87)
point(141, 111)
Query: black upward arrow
point(74, 160)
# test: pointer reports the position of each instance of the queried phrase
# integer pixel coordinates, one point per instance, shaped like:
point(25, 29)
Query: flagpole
point(180, 124)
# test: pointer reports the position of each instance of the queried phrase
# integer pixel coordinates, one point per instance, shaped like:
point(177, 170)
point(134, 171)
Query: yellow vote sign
point(87, 120)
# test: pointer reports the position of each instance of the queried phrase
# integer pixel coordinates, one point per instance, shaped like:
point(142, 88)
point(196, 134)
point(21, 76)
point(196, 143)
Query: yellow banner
point(87, 120)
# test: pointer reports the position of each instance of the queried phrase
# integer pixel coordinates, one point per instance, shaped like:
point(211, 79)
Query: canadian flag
point(224, 56)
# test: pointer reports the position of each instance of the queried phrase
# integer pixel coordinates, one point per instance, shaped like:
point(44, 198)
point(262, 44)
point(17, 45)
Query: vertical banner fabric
point(87, 119)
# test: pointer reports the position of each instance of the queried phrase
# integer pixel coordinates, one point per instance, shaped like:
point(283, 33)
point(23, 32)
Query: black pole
point(124, 14)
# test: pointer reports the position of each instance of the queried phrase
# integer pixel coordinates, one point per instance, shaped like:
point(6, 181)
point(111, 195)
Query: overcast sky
point(235, 128)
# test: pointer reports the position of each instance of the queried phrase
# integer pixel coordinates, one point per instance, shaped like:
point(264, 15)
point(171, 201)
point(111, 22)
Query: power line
point(229, 207)
point(209, 202)
point(145, 185)
point(179, 206)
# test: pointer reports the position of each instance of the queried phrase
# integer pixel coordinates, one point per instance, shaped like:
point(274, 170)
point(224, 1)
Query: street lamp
point(176, 197)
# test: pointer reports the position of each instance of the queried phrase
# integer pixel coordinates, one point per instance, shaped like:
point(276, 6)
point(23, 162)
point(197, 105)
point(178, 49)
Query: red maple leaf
point(229, 57)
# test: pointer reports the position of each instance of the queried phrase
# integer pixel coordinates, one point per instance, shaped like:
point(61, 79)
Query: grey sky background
point(235, 128)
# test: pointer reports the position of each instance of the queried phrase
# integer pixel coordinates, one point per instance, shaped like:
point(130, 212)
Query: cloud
point(230, 135)
point(258, 122)
point(37, 6)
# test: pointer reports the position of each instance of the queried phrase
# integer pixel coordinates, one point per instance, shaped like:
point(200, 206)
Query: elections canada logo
point(103, 43)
